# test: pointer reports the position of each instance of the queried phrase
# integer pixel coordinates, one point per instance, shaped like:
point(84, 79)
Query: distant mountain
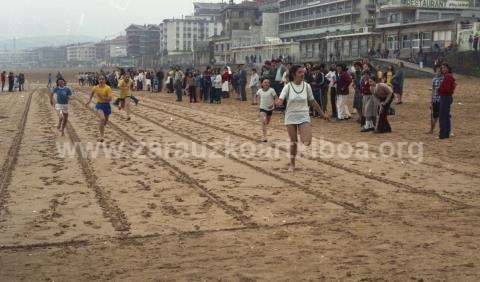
point(42, 41)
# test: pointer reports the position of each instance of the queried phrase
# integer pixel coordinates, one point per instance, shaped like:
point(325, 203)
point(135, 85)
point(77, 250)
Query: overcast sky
point(26, 18)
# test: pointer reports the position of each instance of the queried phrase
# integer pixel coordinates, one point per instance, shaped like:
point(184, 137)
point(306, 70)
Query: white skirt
point(225, 86)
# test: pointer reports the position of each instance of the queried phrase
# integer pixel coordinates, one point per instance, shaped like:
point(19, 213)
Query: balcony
point(302, 6)
point(319, 16)
point(384, 21)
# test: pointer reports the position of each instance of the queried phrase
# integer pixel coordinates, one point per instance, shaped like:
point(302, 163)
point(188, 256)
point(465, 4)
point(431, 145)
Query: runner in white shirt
point(299, 97)
point(267, 97)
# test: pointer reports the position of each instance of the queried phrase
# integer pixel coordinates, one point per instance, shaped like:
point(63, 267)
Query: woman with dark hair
point(190, 87)
point(389, 75)
point(446, 90)
point(225, 83)
point(318, 80)
point(368, 101)
point(59, 98)
point(343, 89)
point(103, 96)
point(397, 83)
point(299, 97)
point(332, 84)
point(217, 85)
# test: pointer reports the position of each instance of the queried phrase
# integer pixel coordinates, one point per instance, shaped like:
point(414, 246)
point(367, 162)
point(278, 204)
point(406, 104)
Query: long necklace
point(301, 91)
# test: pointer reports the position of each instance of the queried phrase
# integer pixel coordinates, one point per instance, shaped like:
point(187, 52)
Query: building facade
point(312, 22)
point(179, 36)
point(206, 9)
point(81, 53)
point(51, 57)
point(410, 27)
point(143, 44)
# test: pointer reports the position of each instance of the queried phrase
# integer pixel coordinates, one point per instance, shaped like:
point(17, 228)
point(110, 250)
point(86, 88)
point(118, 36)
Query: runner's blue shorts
point(105, 107)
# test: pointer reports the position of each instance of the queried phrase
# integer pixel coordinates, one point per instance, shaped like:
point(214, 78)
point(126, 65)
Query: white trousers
point(342, 108)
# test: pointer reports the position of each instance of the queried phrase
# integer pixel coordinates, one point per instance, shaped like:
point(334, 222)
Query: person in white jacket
point(254, 85)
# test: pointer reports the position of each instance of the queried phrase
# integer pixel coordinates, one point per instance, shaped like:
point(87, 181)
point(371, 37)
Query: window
point(406, 43)
point(235, 26)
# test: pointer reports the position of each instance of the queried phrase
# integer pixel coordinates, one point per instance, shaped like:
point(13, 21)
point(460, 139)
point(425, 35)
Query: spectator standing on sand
point(190, 87)
point(217, 87)
point(177, 84)
point(332, 84)
point(397, 83)
point(357, 98)
point(207, 84)
point(254, 85)
point(343, 89)
point(160, 76)
point(368, 101)
point(21, 81)
point(435, 100)
point(318, 79)
point(3, 77)
point(226, 78)
point(11, 82)
point(445, 91)
point(242, 83)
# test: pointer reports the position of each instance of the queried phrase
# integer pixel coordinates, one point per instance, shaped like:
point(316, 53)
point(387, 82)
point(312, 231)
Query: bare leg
point(60, 118)
point(305, 131)
point(102, 123)
point(64, 123)
point(263, 119)
point(127, 107)
point(292, 133)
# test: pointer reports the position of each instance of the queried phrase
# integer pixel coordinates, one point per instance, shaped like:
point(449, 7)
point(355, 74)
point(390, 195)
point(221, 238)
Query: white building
point(118, 51)
point(180, 35)
point(81, 53)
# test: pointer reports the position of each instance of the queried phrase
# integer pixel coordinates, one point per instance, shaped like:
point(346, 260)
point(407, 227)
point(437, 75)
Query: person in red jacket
point(446, 89)
point(343, 86)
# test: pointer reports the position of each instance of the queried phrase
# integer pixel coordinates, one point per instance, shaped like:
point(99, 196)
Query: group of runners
point(300, 92)
point(104, 97)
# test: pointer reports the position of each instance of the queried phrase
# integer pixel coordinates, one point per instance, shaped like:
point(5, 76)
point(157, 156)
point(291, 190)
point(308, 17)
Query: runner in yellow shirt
point(125, 84)
point(103, 96)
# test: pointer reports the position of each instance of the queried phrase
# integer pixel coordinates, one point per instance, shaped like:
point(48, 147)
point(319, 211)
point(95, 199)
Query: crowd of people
point(299, 91)
point(12, 82)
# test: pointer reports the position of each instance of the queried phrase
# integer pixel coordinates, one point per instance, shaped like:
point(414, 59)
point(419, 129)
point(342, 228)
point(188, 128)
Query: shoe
point(367, 129)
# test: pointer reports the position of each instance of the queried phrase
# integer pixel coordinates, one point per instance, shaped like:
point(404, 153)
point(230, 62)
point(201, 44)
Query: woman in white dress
point(299, 97)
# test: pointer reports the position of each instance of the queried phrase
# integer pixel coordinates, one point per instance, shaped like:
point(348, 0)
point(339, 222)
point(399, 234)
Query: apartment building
point(179, 35)
point(312, 22)
point(143, 44)
point(81, 53)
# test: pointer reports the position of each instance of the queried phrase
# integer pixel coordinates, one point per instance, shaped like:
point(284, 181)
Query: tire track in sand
point(372, 149)
point(12, 156)
point(184, 177)
point(330, 163)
